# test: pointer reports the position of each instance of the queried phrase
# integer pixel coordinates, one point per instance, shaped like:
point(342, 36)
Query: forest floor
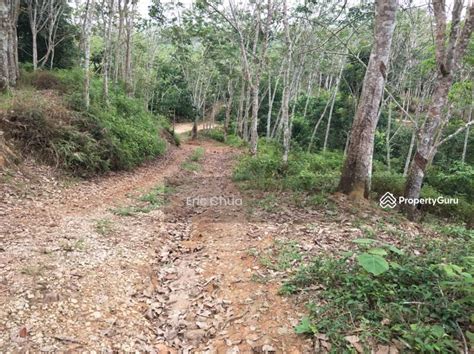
point(137, 260)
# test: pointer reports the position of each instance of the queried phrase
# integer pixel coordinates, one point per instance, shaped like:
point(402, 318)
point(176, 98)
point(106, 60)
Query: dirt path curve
point(90, 268)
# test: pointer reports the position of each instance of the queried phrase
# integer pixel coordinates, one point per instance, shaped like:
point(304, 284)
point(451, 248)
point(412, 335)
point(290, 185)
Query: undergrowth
point(47, 117)
point(319, 173)
point(424, 301)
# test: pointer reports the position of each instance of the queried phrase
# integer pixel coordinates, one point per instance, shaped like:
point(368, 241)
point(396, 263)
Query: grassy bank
point(47, 118)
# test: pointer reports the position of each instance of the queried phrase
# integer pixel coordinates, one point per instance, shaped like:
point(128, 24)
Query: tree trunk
point(228, 109)
point(313, 135)
point(448, 55)
point(106, 58)
point(357, 170)
point(466, 138)
point(328, 127)
point(8, 44)
point(240, 117)
point(387, 138)
point(286, 88)
point(87, 51)
point(426, 145)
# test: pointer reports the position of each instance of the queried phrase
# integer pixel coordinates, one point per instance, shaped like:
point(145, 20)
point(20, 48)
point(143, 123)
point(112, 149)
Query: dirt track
point(77, 276)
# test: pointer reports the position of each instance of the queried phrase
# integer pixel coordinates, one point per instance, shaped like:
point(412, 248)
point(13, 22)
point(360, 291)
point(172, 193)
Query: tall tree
point(449, 50)
point(357, 169)
point(8, 43)
point(87, 27)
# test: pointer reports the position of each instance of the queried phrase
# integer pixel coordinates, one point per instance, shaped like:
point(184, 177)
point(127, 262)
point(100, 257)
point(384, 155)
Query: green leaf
point(372, 263)
point(304, 326)
point(395, 250)
point(378, 251)
point(363, 241)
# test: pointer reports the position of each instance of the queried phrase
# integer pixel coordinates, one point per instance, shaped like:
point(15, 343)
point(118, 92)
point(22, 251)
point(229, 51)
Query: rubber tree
point(450, 47)
point(8, 43)
point(87, 28)
point(357, 169)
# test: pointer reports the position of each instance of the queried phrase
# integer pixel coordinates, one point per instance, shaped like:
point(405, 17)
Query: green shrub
point(458, 181)
point(234, 140)
point(423, 300)
point(215, 134)
point(387, 181)
point(304, 171)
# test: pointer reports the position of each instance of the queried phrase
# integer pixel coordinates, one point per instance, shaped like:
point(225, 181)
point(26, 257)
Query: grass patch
point(192, 163)
point(104, 227)
point(281, 256)
point(152, 200)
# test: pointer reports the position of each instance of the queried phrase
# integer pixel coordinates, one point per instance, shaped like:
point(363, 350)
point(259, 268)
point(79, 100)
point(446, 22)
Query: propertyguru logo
point(388, 200)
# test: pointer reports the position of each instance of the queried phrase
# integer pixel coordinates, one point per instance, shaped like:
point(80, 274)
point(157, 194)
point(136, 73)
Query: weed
point(197, 154)
point(104, 227)
point(190, 166)
point(281, 256)
point(154, 199)
point(423, 301)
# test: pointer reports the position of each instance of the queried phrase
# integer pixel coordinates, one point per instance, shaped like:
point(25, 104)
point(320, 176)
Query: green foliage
point(457, 181)
point(388, 181)
point(422, 300)
point(304, 172)
point(197, 154)
point(113, 136)
point(215, 134)
point(281, 256)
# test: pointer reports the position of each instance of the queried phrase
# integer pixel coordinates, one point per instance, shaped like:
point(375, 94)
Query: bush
point(215, 134)
point(387, 181)
point(459, 181)
point(422, 300)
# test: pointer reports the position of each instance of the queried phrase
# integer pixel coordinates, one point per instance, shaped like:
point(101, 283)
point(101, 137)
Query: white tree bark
point(87, 49)
point(8, 44)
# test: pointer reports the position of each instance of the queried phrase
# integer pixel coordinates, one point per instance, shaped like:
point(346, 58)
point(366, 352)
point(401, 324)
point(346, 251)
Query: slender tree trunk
point(466, 138)
point(286, 87)
point(308, 96)
point(106, 58)
point(387, 138)
point(357, 170)
point(240, 117)
point(328, 127)
point(228, 109)
point(410, 152)
point(8, 44)
point(313, 135)
point(128, 53)
point(5, 75)
point(270, 107)
point(87, 51)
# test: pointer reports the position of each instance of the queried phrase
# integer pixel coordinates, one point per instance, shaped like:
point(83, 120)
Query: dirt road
point(158, 259)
